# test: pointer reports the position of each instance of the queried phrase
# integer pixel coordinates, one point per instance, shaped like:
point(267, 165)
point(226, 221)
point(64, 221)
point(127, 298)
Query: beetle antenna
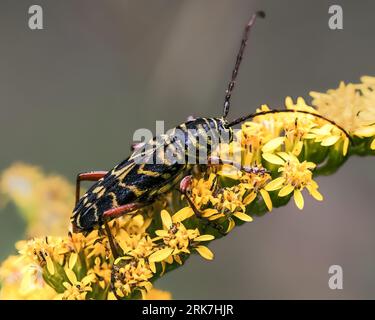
point(228, 92)
point(262, 113)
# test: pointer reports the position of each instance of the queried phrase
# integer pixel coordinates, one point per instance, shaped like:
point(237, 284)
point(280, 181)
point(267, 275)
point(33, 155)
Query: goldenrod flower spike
point(283, 154)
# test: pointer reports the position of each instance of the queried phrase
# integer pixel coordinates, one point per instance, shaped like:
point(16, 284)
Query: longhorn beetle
point(132, 185)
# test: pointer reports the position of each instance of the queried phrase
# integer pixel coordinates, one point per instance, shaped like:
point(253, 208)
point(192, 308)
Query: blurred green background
point(72, 95)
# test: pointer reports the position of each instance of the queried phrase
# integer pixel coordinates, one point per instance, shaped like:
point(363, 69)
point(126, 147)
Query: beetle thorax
point(200, 137)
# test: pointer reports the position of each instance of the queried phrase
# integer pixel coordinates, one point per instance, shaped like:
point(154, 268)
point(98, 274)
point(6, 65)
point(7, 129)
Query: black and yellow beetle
point(134, 184)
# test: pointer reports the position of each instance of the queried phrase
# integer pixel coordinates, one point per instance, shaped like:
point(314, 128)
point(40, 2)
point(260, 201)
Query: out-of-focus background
point(72, 95)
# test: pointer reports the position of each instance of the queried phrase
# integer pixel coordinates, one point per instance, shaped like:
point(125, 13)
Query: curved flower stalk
point(283, 153)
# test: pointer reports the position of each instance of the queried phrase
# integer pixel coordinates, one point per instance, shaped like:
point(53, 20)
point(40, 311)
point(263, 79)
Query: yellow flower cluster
point(134, 270)
point(352, 107)
point(223, 204)
point(295, 176)
point(279, 156)
point(74, 267)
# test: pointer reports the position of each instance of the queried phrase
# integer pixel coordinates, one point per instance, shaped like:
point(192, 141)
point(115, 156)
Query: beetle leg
point(113, 213)
point(193, 206)
point(217, 161)
point(197, 212)
point(137, 146)
point(116, 212)
point(111, 240)
point(87, 176)
point(249, 169)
